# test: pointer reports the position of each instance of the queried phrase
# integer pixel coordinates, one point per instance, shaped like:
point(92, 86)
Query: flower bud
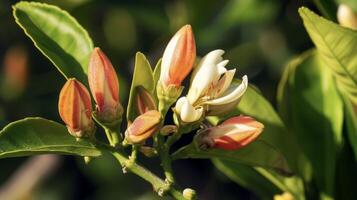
point(189, 194)
point(75, 109)
point(347, 17)
point(104, 85)
point(232, 134)
point(15, 73)
point(178, 57)
point(284, 196)
point(144, 101)
point(143, 127)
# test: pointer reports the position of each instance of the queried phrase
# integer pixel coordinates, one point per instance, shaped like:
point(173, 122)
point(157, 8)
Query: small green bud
point(189, 194)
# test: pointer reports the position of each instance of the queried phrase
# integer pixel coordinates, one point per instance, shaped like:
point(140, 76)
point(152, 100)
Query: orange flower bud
point(144, 101)
point(232, 134)
point(179, 57)
point(143, 127)
point(104, 85)
point(15, 72)
point(75, 108)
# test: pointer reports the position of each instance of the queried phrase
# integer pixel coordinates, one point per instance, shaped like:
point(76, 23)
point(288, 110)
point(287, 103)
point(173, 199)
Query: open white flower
point(212, 91)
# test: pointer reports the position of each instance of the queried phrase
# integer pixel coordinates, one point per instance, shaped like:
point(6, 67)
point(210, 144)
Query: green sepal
point(167, 95)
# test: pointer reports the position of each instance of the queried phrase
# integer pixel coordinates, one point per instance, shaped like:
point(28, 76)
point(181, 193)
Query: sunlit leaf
point(143, 76)
point(337, 46)
point(156, 76)
point(313, 110)
point(57, 35)
point(31, 136)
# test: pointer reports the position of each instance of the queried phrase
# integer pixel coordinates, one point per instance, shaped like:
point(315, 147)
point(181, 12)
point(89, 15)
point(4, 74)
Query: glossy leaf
point(32, 136)
point(57, 35)
point(143, 76)
point(264, 183)
point(313, 111)
point(247, 177)
point(337, 46)
point(156, 76)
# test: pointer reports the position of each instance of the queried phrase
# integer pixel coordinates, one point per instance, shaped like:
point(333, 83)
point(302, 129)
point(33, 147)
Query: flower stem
point(112, 136)
point(166, 163)
point(159, 185)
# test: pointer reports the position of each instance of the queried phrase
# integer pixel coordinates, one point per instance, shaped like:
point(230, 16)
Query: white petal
point(228, 77)
point(189, 113)
point(236, 94)
point(207, 73)
point(214, 56)
point(221, 67)
point(167, 57)
point(179, 103)
point(201, 82)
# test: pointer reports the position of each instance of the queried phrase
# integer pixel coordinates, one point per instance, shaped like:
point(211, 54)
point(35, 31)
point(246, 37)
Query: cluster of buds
point(149, 120)
point(212, 92)
point(75, 106)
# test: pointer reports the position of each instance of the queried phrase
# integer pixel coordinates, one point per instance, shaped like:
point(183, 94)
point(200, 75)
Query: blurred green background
point(259, 37)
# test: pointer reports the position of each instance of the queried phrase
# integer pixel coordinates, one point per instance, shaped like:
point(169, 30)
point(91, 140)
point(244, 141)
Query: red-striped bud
point(178, 57)
point(104, 85)
point(144, 101)
point(143, 127)
point(75, 109)
point(232, 134)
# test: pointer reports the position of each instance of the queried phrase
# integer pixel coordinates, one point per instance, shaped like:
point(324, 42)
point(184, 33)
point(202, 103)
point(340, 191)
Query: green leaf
point(143, 76)
point(156, 76)
point(337, 46)
point(57, 35)
point(157, 70)
point(263, 182)
point(313, 111)
point(274, 135)
point(32, 136)
point(247, 177)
